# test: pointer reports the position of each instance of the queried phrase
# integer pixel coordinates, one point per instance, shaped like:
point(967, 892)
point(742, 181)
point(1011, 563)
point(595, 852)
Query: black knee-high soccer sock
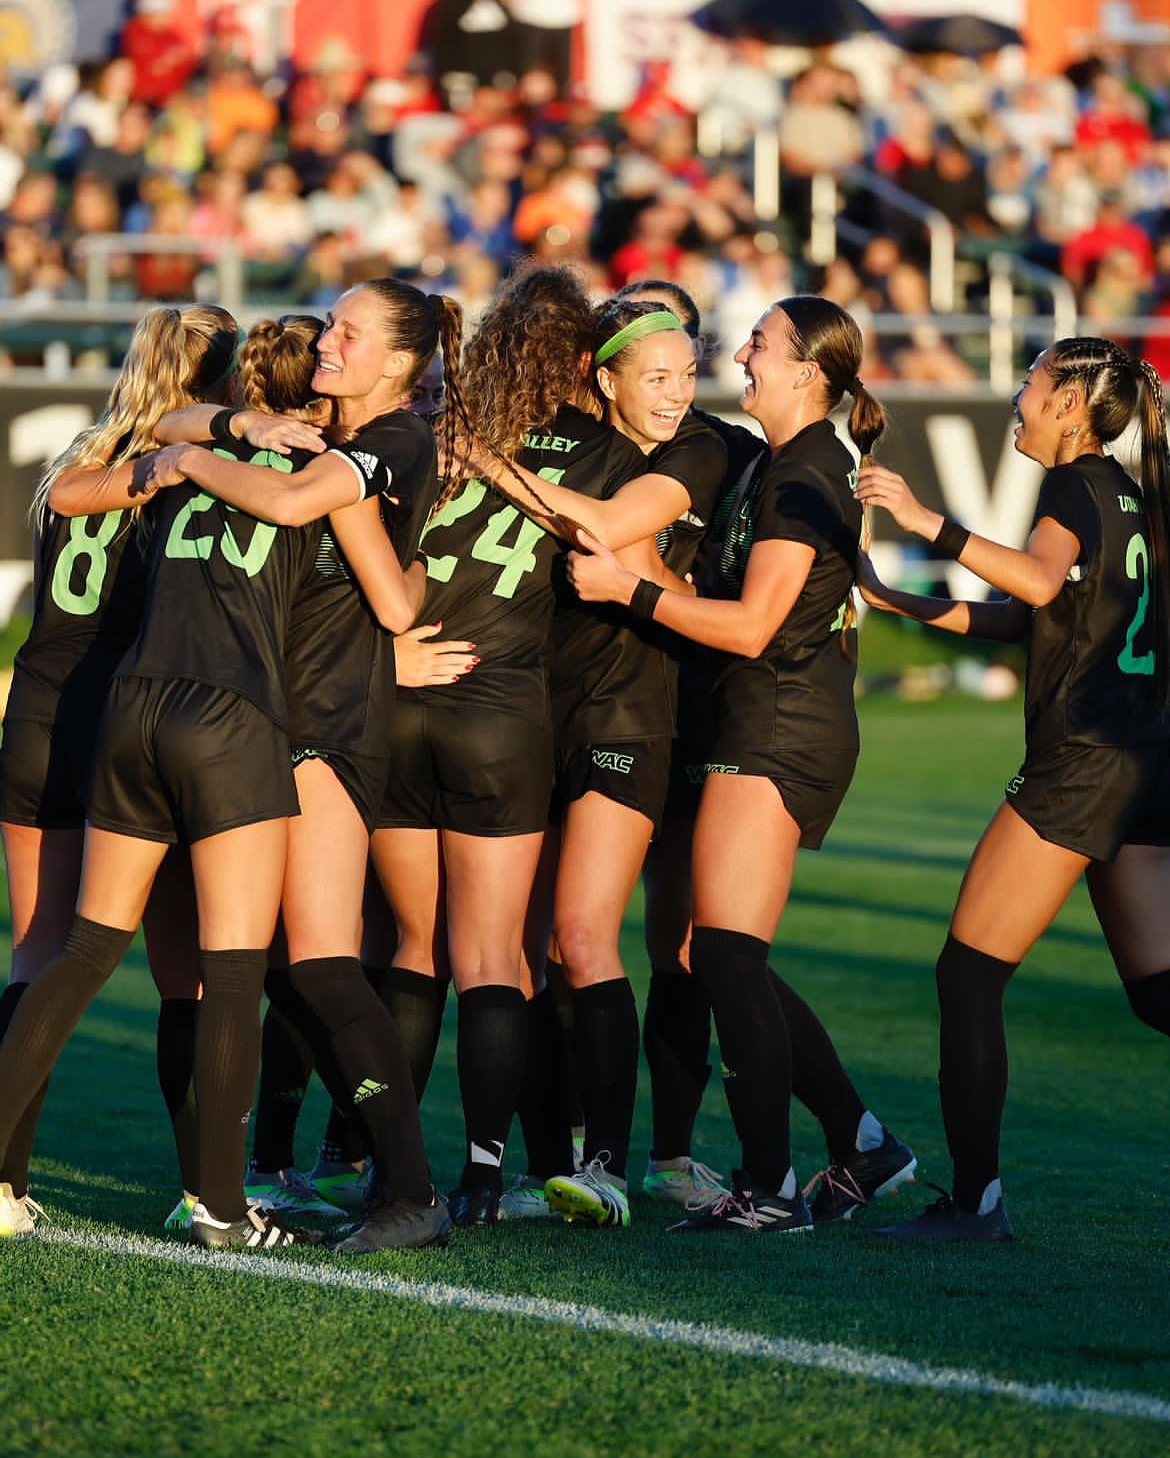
point(605, 1036)
point(47, 1013)
point(544, 1104)
point(345, 1140)
point(558, 985)
point(227, 1059)
point(818, 1079)
point(1149, 997)
point(973, 1065)
point(676, 1034)
point(14, 1165)
point(492, 1045)
point(415, 1002)
point(175, 1063)
point(286, 1065)
point(753, 1044)
point(367, 1052)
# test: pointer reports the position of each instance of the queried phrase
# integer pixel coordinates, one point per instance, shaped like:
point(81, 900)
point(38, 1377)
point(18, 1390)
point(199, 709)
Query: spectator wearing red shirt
point(1112, 229)
point(163, 60)
point(1113, 116)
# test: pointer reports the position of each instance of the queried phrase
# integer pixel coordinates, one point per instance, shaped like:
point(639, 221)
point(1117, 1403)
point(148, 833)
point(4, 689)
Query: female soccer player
point(377, 342)
point(613, 685)
point(786, 736)
point(676, 1028)
point(90, 581)
point(1091, 590)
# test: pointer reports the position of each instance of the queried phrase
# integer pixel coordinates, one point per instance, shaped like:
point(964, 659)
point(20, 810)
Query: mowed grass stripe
point(832, 1358)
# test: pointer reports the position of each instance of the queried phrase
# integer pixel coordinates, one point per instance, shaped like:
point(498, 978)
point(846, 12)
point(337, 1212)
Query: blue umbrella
point(788, 22)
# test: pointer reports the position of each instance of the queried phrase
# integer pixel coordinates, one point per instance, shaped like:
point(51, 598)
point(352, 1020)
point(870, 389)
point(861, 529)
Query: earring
point(1073, 430)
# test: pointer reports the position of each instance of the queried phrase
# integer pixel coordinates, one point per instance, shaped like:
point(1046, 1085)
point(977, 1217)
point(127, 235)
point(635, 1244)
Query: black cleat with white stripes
point(746, 1207)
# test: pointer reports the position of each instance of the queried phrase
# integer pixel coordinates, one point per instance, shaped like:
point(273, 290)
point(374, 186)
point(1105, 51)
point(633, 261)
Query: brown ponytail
point(1151, 413)
point(277, 361)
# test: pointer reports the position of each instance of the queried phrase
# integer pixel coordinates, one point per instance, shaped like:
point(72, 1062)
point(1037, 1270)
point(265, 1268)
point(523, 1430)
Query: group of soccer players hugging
point(366, 659)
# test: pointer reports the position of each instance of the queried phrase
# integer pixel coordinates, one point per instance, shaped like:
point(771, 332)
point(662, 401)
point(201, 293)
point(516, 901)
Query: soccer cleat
point(342, 1185)
point(180, 1216)
point(291, 1192)
point(474, 1205)
point(17, 1216)
point(944, 1220)
point(589, 1197)
point(743, 1209)
point(399, 1225)
point(258, 1229)
point(578, 1151)
point(526, 1200)
point(864, 1176)
point(683, 1181)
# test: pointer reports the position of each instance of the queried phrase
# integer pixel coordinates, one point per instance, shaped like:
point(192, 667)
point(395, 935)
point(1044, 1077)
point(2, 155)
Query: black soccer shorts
point(179, 760)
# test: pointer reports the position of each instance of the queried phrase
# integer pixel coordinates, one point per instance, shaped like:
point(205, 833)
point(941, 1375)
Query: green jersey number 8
point(90, 548)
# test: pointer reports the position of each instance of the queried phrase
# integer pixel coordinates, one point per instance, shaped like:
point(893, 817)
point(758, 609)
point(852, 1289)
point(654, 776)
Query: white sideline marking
point(816, 1356)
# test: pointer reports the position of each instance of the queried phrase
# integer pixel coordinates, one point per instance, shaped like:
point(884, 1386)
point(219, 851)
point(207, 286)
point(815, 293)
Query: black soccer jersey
point(490, 568)
point(339, 659)
point(394, 457)
point(1091, 651)
point(613, 678)
point(90, 583)
point(799, 691)
point(220, 586)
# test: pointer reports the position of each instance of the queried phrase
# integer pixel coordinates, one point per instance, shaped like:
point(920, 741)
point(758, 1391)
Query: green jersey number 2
point(180, 546)
point(1137, 566)
point(88, 547)
point(515, 558)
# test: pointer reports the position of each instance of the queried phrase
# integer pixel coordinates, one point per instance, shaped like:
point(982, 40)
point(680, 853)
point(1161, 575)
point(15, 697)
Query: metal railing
point(99, 249)
point(1004, 271)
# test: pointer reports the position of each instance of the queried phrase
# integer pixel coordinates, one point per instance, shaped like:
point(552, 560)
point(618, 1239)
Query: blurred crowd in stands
point(329, 176)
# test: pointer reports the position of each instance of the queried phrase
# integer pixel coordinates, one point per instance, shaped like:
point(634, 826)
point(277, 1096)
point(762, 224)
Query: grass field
point(576, 1341)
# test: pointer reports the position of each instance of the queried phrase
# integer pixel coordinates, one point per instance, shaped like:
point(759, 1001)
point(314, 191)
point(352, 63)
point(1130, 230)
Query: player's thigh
point(44, 873)
point(409, 869)
point(743, 855)
point(170, 926)
point(116, 876)
point(328, 847)
point(603, 845)
point(666, 881)
point(1016, 883)
point(239, 875)
point(1131, 897)
point(489, 881)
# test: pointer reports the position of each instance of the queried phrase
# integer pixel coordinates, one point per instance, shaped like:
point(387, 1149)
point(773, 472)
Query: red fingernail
point(474, 661)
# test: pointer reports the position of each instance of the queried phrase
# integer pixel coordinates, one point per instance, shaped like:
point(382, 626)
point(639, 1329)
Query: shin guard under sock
point(372, 1074)
point(676, 1034)
point(818, 1079)
point(47, 1013)
point(415, 1002)
point(175, 1064)
point(286, 1065)
point(753, 1045)
point(973, 1066)
point(1149, 997)
point(562, 996)
point(227, 1059)
point(605, 1027)
point(492, 1045)
point(544, 1106)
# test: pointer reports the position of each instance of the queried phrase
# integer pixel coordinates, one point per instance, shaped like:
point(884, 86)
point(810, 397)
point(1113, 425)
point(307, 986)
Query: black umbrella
point(788, 22)
point(960, 35)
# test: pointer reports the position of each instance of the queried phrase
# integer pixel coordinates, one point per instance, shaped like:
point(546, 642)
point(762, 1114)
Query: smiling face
point(652, 388)
point(771, 373)
point(353, 359)
point(1040, 426)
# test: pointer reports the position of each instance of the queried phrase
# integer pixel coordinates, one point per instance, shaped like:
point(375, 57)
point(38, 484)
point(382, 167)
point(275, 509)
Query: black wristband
point(645, 600)
point(951, 539)
point(220, 428)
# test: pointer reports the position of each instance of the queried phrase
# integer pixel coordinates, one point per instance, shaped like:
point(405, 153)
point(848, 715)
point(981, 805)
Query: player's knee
point(1149, 997)
point(587, 954)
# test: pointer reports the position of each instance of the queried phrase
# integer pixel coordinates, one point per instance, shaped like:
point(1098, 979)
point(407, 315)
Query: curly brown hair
point(525, 358)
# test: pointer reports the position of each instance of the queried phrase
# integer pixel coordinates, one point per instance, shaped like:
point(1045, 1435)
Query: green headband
point(233, 363)
point(637, 329)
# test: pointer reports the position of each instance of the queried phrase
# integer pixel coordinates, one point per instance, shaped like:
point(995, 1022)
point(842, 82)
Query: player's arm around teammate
point(786, 738)
point(1091, 795)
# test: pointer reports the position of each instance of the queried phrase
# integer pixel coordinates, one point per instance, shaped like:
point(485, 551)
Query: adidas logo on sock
point(368, 1088)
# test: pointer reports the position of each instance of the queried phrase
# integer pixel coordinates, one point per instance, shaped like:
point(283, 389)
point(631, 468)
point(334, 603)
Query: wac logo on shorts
point(609, 759)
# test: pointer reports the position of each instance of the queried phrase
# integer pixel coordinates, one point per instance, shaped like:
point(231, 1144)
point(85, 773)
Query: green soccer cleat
point(590, 1197)
point(342, 1185)
point(180, 1216)
point(683, 1181)
point(292, 1193)
point(526, 1200)
point(17, 1216)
